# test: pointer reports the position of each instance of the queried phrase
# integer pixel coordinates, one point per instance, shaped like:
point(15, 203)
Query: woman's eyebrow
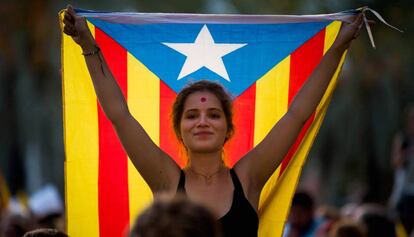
point(209, 109)
point(191, 110)
point(215, 109)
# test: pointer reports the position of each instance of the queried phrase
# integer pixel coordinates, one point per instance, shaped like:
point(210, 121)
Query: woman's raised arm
point(156, 167)
point(259, 164)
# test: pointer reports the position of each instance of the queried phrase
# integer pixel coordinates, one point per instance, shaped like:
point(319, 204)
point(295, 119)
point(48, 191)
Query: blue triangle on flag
point(266, 45)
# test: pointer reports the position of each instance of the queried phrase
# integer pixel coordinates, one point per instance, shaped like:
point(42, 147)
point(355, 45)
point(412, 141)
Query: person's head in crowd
point(47, 208)
point(375, 219)
point(15, 225)
point(348, 228)
point(302, 211)
point(406, 212)
point(45, 233)
point(51, 221)
point(176, 217)
point(378, 225)
point(329, 215)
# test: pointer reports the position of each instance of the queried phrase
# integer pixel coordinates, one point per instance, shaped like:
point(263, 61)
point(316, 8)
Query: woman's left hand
point(349, 32)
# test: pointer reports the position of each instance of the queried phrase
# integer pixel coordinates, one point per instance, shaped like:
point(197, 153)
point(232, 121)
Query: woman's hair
point(177, 217)
point(203, 85)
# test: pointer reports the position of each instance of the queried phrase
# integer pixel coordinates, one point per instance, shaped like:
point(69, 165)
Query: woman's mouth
point(203, 133)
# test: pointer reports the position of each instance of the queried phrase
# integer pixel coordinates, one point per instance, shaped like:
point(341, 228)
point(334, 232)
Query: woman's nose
point(203, 121)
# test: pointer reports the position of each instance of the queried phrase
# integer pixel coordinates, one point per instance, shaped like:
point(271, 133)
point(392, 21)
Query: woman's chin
point(206, 148)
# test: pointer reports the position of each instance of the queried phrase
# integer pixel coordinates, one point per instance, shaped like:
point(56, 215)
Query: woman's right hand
point(76, 27)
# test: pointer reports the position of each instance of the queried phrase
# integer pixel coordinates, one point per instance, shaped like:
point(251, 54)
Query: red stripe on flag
point(302, 62)
point(243, 119)
point(168, 139)
point(113, 164)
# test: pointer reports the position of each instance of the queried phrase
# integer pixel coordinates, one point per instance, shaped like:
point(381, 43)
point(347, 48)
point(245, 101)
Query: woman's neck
point(205, 163)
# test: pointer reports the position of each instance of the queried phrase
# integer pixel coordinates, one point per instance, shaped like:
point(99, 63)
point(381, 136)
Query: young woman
point(202, 120)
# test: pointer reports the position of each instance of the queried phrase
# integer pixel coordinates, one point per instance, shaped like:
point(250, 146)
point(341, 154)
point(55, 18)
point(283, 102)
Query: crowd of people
point(181, 217)
point(392, 219)
point(306, 219)
point(37, 215)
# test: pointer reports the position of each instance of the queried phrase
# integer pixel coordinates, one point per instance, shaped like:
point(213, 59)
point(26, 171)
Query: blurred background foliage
point(350, 160)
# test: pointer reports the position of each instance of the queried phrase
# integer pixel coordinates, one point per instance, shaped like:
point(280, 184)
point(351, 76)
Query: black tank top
point(241, 219)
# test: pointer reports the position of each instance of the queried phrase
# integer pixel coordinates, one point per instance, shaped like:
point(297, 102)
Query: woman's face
point(203, 123)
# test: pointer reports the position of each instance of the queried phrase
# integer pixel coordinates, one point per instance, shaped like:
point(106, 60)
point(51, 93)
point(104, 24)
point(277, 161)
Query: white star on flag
point(204, 52)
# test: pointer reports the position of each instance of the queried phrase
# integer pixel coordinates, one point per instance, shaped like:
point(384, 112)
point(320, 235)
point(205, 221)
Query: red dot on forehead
point(203, 99)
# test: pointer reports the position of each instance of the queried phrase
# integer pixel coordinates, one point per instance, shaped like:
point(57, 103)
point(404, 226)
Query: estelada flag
point(261, 60)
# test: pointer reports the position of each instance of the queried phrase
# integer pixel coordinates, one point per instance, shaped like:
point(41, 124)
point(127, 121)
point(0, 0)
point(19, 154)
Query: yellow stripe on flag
point(330, 35)
point(277, 193)
point(288, 181)
point(144, 104)
point(271, 99)
point(81, 143)
point(271, 104)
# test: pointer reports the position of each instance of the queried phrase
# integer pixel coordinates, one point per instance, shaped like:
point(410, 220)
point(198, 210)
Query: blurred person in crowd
point(45, 233)
point(347, 228)
point(301, 220)
point(374, 217)
point(47, 208)
point(16, 219)
point(15, 225)
point(328, 215)
point(349, 210)
point(405, 211)
point(4, 196)
point(402, 197)
point(177, 217)
point(378, 225)
point(53, 220)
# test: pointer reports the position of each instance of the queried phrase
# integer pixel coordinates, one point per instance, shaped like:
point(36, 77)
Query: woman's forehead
point(202, 98)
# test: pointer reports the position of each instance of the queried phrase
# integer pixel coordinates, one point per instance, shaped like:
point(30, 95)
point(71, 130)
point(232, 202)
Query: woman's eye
point(215, 116)
point(190, 116)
